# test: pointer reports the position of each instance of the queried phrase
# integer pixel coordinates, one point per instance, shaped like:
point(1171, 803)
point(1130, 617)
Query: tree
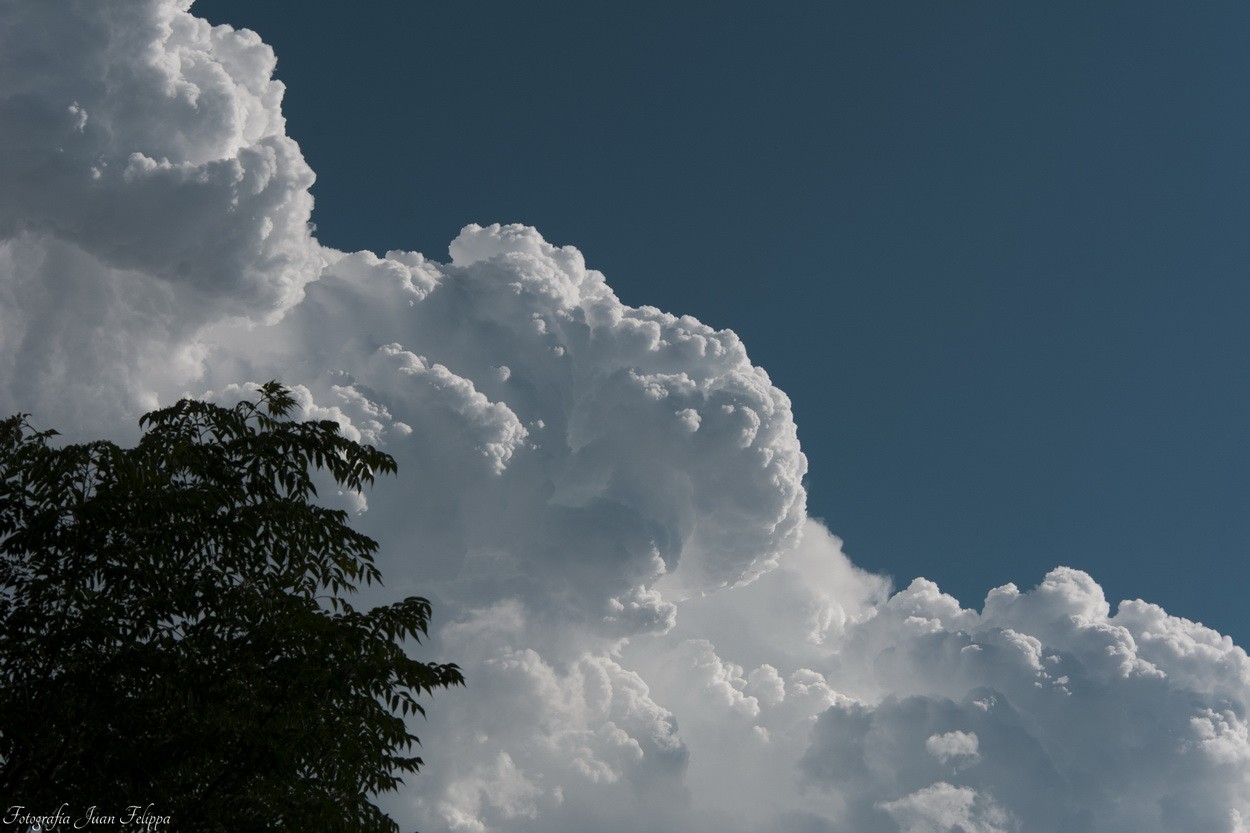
point(175, 630)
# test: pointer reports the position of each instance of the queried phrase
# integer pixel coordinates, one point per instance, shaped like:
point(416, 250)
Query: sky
point(994, 254)
point(700, 336)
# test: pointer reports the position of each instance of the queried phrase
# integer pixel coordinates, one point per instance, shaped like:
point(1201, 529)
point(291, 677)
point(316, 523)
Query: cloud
point(1061, 714)
point(941, 808)
point(604, 502)
point(148, 189)
point(952, 746)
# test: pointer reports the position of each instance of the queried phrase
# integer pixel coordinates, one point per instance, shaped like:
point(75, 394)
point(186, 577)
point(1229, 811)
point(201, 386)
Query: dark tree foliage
point(174, 628)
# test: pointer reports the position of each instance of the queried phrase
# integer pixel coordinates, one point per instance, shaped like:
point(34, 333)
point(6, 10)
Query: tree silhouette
point(175, 630)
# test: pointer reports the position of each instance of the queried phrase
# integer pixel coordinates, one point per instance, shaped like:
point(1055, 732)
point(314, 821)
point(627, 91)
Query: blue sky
point(982, 264)
point(995, 254)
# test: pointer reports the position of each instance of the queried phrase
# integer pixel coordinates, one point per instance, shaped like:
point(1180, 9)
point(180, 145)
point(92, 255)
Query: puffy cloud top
point(148, 188)
point(621, 447)
point(154, 143)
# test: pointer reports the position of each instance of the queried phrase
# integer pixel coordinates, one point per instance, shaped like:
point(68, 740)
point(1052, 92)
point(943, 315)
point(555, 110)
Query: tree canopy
point(175, 629)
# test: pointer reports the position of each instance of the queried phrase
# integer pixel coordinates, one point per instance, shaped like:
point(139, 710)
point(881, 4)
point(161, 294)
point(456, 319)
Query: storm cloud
point(605, 502)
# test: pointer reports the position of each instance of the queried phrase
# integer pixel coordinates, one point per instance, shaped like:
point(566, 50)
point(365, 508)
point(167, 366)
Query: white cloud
point(604, 502)
point(942, 808)
point(148, 188)
point(952, 746)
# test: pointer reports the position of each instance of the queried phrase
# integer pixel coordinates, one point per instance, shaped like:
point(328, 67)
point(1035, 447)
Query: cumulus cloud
point(604, 502)
point(941, 808)
point(148, 189)
point(952, 746)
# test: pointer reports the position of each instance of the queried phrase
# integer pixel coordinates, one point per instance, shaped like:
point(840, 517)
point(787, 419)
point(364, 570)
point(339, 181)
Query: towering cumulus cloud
point(605, 503)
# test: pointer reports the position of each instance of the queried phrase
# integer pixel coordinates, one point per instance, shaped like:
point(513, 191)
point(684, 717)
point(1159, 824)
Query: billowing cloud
point(604, 502)
point(148, 188)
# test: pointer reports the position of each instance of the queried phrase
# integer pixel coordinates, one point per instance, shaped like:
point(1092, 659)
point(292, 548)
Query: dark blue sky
point(995, 253)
